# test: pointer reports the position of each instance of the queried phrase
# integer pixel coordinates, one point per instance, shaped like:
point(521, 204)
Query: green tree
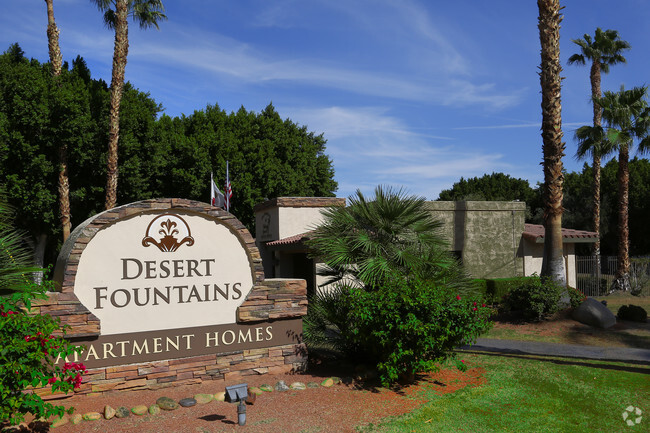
point(553, 147)
point(116, 13)
point(627, 116)
point(493, 187)
point(604, 50)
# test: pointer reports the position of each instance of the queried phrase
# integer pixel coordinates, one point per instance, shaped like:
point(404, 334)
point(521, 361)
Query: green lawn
point(534, 395)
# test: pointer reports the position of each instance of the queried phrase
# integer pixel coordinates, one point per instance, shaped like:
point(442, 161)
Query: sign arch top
point(158, 264)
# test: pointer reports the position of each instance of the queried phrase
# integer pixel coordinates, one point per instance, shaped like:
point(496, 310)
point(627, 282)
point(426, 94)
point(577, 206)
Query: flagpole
point(227, 185)
point(211, 188)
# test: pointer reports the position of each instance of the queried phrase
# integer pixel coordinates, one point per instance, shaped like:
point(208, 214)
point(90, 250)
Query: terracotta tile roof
point(535, 233)
point(291, 240)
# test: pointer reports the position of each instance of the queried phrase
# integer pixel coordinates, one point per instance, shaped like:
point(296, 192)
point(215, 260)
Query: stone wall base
point(227, 367)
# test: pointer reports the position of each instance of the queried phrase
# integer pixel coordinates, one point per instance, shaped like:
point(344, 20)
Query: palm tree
point(627, 116)
point(372, 238)
point(116, 12)
point(64, 184)
point(604, 50)
point(553, 147)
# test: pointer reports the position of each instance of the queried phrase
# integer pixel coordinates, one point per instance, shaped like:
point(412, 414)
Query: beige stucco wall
point(486, 233)
point(533, 255)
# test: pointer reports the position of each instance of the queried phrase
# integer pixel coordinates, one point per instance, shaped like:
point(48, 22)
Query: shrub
point(494, 289)
point(633, 313)
point(576, 297)
point(535, 299)
point(405, 327)
point(28, 354)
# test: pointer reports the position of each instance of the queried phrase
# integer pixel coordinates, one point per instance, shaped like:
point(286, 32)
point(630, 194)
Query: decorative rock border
point(169, 404)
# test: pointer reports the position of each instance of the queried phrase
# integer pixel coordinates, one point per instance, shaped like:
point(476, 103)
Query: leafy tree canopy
point(493, 187)
point(159, 156)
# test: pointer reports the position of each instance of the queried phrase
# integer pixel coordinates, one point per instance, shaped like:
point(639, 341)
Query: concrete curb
point(617, 354)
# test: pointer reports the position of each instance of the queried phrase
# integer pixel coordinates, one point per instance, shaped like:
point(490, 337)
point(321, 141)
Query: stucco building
point(491, 238)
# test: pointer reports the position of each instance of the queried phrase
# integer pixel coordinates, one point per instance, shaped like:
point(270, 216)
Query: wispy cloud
point(520, 125)
point(369, 146)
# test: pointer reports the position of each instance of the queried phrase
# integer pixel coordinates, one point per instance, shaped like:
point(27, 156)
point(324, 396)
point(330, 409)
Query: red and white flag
point(217, 199)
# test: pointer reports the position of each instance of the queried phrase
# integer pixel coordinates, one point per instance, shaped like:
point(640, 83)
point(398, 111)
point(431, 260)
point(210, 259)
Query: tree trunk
point(622, 279)
point(598, 114)
point(553, 147)
point(64, 185)
point(117, 86)
point(53, 40)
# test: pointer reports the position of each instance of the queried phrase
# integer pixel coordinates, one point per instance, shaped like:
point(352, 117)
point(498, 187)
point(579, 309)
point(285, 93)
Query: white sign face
point(163, 271)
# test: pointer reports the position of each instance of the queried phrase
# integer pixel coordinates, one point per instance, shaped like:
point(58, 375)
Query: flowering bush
point(405, 327)
point(29, 350)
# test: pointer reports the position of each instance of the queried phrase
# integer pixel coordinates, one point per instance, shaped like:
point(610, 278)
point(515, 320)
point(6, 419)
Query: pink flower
point(458, 297)
point(474, 309)
point(463, 361)
point(475, 304)
point(482, 305)
point(51, 380)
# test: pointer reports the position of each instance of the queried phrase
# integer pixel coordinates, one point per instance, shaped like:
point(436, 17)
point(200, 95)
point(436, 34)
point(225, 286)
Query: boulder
point(281, 386)
point(122, 412)
point(591, 312)
point(109, 412)
point(187, 402)
point(76, 419)
point(154, 409)
point(167, 403)
point(140, 409)
point(203, 398)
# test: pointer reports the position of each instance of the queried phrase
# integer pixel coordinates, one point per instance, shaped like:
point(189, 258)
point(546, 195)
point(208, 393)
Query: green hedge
point(494, 289)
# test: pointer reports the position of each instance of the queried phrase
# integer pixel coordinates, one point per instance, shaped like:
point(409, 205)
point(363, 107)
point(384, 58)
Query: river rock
point(255, 390)
point(76, 419)
point(167, 403)
point(327, 383)
point(122, 412)
point(281, 386)
point(58, 422)
point(591, 312)
point(298, 385)
point(266, 388)
point(312, 385)
point(220, 396)
point(92, 416)
point(154, 409)
point(109, 412)
point(203, 398)
point(140, 409)
point(187, 402)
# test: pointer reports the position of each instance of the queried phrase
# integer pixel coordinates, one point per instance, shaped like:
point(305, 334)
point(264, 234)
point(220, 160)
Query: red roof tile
point(291, 240)
point(535, 233)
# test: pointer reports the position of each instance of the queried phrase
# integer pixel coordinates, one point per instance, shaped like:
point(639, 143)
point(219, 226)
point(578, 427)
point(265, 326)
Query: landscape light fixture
point(238, 393)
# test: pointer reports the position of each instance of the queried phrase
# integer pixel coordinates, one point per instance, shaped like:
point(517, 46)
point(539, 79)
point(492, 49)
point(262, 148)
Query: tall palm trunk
point(63, 184)
point(553, 147)
point(598, 114)
point(622, 280)
point(117, 86)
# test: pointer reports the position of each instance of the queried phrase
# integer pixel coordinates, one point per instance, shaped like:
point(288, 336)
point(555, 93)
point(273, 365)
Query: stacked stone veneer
point(269, 300)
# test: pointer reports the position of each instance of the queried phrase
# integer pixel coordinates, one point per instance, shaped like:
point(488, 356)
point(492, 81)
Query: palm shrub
point(31, 344)
point(15, 258)
point(397, 299)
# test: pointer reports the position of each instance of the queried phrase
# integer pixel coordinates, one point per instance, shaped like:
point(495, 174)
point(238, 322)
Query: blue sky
point(408, 93)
